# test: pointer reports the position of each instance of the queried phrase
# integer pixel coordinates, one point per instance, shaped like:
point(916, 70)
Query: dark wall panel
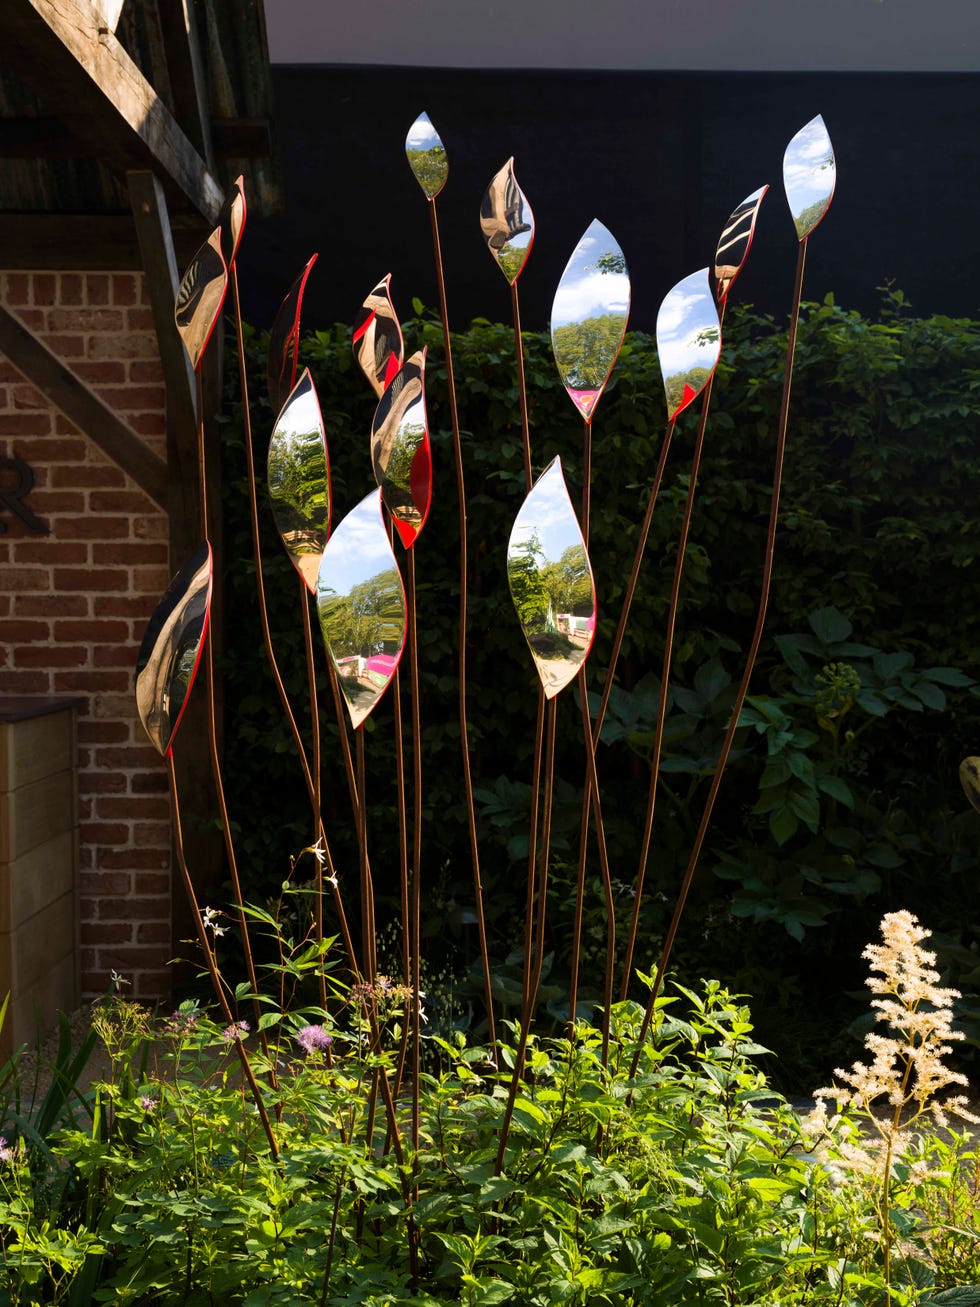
point(660, 158)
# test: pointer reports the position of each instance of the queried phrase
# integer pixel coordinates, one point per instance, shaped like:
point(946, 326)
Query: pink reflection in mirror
point(688, 340)
point(401, 452)
point(377, 341)
point(171, 650)
point(551, 581)
point(282, 360)
point(362, 608)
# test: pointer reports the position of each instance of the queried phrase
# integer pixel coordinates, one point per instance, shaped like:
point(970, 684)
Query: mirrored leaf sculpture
point(361, 603)
point(427, 156)
point(282, 359)
point(299, 479)
point(377, 341)
point(735, 242)
point(507, 222)
point(171, 649)
point(231, 220)
point(401, 452)
point(589, 316)
point(551, 582)
point(970, 780)
point(809, 176)
point(200, 296)
point(688, 340)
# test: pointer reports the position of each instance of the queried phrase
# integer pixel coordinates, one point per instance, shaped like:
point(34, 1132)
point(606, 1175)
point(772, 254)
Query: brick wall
point(74, 603)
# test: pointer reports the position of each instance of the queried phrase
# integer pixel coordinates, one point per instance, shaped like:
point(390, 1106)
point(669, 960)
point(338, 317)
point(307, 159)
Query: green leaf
point(783, 824)
point(830, 626)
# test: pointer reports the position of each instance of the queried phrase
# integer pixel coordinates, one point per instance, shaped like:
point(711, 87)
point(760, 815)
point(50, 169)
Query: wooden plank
point(81, 72)
point(47, 137)
point(162, 280)
point(87, 242)
point(188, 82)
point(83, 407)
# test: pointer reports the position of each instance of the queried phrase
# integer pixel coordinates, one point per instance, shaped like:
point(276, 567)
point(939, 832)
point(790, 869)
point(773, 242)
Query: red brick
point(66, 344)
point(151, 528)
point(92, 528)
point(18, 290)
point(140, 757)
point(152, 834)
point(130, 346)
point(33, 319)
point(60, 501)
point(30, 580)
point(129, 960)
point(101, 782)
point(95, 319)
point(105, 579)
point(139, 319)
point(97, 883)
point(98, 932)
point(127, 554)
point(151, 782)
point(114, 655)
point(25, 424)
point(150, 371)
point(103, 832)
point(45, 288)
point(147, 425)
point(134, 909)
point(117, 501)
point(50, 551)
point(25, 683)
point(146, 882)
point(138, 807)
point(124, 289)
point(62, 449)
point(97, 288)
point(151, 580)
point(24, 632)
point(118, 606)
point(99, 475)
point(92, 631)
point(49, 605)
point(89, 682)
point(90, 732)
point(71, 288)
point(100, 372)
point(133, 398)
point(28, 397)
point(52, 656)
point(153, 932)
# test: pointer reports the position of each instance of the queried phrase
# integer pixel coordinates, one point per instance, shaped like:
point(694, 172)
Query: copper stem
point(402, 873)
point(412, 642)
point(750, 660)
point(461, 653)
point(521, 385)
point(593, 781)
point(367, 888)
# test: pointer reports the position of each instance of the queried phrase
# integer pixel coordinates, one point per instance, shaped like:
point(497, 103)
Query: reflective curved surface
point(377, 343)
point(200, 296)
point(551, 583)
point(688, 340)
point(283, 356)
point(589, 316)
point(401, 452)
point(171, 649)
point(299, 479)
point(970, 780)
point(809, 176)
point(231, 220)
point(735, 242)
point(361, 603)
point(507, 222)
point(427, 156)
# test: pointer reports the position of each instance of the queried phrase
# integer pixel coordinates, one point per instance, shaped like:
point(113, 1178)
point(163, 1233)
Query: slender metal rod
point(531, 990)
point(416, 913)
point(593, 780)
point(658, 742)
point(368, 939)
point(532, 857)
point(304, 601)
point(743, 688)
point(521, 384)
point(461, 651)
point(218, 987)
point(586, 478)
point(403, 882)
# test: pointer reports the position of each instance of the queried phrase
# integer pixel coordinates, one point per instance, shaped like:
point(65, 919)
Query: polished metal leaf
point(735, 242)
point(299, 479)
point(427, 156)
point(589, 316)
point(970, 780)
point(688, 340)
point(362, 609)
point(377, 341)
point(551, 581)
point(282, 359)
point(200, 296)
point(809, 176)
point(400, 450)
point(171, 649)
point(231, 220)
point(507, 222)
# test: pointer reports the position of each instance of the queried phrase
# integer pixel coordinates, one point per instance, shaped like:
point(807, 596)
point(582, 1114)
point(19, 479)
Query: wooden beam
point(81, 406)
point(87, 242)
point(47, 137)
point(80, 71)
point(188, 83)
point(162, 280)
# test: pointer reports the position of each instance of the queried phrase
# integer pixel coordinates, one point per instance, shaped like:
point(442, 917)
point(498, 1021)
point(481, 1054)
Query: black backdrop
point(660, 158)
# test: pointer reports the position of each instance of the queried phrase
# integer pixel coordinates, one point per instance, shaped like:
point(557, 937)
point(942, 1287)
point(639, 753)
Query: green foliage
point(689, 1183)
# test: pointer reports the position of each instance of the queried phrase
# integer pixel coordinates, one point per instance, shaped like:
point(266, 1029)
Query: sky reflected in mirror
point(809, 176)
point(427, 156)
point(507, 223)
point(688, 340)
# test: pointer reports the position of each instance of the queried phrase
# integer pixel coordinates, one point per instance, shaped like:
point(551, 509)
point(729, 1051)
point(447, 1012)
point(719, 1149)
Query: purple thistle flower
point(237, 1030)
point(313, 1039)
point(147, 1103)
point(6, 1152)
